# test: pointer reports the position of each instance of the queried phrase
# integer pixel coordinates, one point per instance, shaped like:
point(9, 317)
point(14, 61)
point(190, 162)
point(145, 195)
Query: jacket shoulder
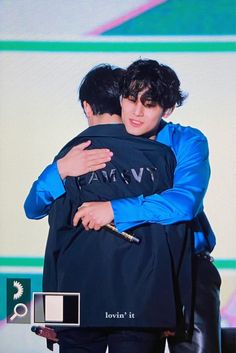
point(74, 142)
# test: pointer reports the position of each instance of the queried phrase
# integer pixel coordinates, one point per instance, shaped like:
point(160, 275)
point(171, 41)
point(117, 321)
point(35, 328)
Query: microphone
point(36, 329)
point(127, 236)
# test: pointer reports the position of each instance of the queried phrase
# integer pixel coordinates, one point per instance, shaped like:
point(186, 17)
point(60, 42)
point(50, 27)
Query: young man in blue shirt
point(141, 97)
point(183, 202)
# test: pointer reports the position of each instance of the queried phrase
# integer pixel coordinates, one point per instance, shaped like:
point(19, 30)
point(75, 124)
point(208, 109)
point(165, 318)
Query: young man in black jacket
point(131, 281)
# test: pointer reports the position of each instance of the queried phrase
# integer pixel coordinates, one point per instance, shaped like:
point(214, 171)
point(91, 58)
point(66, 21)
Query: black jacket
point(121, 284)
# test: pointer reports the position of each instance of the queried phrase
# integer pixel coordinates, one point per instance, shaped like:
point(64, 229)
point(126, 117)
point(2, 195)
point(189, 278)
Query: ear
point(167, 112)
point(87, 109)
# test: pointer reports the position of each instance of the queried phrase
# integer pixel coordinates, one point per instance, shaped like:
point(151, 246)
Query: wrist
point(111, 210)
point(61, 169)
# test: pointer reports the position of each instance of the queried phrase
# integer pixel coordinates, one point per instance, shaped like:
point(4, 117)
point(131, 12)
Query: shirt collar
point(105, 130)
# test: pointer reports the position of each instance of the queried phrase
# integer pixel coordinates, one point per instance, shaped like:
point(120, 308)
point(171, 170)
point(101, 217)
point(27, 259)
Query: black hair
point(160, 83)
point(101, 88)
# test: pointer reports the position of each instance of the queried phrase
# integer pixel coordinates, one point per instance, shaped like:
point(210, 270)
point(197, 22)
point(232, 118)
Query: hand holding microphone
point(45, 332)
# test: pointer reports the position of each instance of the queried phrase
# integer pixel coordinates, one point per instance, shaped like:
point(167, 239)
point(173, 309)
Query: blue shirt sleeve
point(47, 188)
point(185, 199)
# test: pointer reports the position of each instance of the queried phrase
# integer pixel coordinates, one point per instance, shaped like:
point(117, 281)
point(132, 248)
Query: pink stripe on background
point(128, 16)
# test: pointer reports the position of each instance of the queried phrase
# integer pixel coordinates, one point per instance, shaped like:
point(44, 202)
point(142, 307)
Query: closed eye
point(132, 98)
point(149, 104)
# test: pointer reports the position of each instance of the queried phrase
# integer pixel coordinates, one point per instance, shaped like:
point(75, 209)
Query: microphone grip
point(127, 236)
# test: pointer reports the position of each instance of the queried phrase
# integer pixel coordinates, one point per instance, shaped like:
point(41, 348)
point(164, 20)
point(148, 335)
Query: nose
point(138, 109)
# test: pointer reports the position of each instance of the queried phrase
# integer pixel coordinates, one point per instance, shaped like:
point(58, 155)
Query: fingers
point(97, 158)
point(85, 221)
point(87, 214)
point(77, 217)
point(97, 226)
point(83, 145)
point(88, 160)
point(91, 224)
point(84, 216)
point(95, 167)
point(48, 333)
point(96, 152)
point(168, 333)
point(96, 161)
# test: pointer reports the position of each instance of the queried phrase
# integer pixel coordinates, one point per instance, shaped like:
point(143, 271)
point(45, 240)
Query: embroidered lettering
point(94, 177)
point(111, 177)
point(152, 171)
point(137, 177)
point(125, 176)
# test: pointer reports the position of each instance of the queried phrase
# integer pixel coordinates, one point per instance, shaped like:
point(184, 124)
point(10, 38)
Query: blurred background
point(46, 47)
